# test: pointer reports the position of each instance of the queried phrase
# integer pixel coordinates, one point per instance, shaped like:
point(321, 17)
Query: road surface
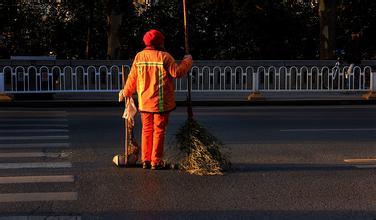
point(295, 162)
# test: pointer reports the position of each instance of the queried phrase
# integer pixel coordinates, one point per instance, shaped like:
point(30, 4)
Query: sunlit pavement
point(311, 162)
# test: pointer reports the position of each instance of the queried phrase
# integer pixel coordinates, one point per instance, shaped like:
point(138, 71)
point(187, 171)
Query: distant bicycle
point(338, 67)
point(340, 53)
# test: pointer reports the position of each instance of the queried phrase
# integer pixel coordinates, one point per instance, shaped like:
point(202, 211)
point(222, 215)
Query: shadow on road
point(242, 167)
point(236, 214)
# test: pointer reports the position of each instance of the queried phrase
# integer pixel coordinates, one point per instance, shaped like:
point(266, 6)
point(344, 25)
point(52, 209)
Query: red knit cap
point(154, 38)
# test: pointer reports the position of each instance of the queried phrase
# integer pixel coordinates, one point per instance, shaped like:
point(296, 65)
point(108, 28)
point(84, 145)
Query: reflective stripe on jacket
point(152, 74)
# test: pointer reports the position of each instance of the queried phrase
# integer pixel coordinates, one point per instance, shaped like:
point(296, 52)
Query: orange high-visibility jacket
point(152, 74)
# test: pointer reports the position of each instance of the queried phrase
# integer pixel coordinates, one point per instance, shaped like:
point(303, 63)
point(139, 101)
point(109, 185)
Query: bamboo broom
point(202, 150)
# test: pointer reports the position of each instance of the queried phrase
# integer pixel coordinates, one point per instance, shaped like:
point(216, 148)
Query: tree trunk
point(88, 49)
point(113, 42)
point(88, 44)
point(327, 13)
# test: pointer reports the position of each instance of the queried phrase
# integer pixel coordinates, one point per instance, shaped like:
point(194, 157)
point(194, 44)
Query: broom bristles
point(201, 150)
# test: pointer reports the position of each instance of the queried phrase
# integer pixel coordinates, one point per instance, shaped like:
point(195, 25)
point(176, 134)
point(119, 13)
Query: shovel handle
point(123, 74)
point(126, 137)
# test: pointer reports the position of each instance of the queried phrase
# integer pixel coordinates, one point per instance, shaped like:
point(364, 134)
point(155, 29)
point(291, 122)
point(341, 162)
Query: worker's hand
point(188, 56)
point(121, 96)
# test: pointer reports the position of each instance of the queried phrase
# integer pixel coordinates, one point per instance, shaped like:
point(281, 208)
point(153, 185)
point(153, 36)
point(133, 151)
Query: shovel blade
point(119, 160)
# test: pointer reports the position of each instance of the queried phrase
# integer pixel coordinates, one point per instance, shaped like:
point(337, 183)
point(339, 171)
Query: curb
point(5, 98)
point(109, 103)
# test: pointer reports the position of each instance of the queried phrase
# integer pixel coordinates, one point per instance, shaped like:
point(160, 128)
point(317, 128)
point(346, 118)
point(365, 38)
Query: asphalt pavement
point(289, 162)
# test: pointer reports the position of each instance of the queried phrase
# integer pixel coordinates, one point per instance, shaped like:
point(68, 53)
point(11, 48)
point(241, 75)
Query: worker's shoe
point(158, 167)
point(146, 165)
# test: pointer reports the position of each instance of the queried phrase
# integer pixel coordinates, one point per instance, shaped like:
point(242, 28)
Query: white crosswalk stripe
point(34, 197)
point(32, 154)
point(36, 179)
point(32, 130)
point(7, 125)
point(33, 120)
point(41, 217)
point(34, 145)
point(57, 137)
point(34, 113)
point(35, 165)
point(35, 140)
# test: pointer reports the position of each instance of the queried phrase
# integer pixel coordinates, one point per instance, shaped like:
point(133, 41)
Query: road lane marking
point(328, 129)
point(35, 145)
point(37, 179)
point(360, 160)
point(2, 125)
point(64, 137)
point(32, 154)
point(36, 165)
point(33, 197)
point(32, 130)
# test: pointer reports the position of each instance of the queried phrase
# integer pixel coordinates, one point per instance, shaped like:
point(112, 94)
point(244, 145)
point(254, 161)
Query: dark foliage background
point(219, 29)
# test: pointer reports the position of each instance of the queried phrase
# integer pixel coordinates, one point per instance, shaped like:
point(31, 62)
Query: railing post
point(255, 81)
point(255, 94)
point(2, 85)
point(371, 95)
point(3, 96)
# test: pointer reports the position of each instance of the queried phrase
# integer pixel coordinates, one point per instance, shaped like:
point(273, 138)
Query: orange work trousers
point(153, 135)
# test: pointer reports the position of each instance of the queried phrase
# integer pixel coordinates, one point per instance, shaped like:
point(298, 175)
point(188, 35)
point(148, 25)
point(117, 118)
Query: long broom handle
point(186, 42)
point(186, 27)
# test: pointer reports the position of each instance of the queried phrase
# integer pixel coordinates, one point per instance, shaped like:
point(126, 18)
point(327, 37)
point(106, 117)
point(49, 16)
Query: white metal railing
point(65, 79)
point(314, 79)
point(218, 79)
point(57, 79)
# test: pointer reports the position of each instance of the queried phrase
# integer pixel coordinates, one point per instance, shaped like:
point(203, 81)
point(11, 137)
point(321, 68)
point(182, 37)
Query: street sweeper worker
point(152, 75)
